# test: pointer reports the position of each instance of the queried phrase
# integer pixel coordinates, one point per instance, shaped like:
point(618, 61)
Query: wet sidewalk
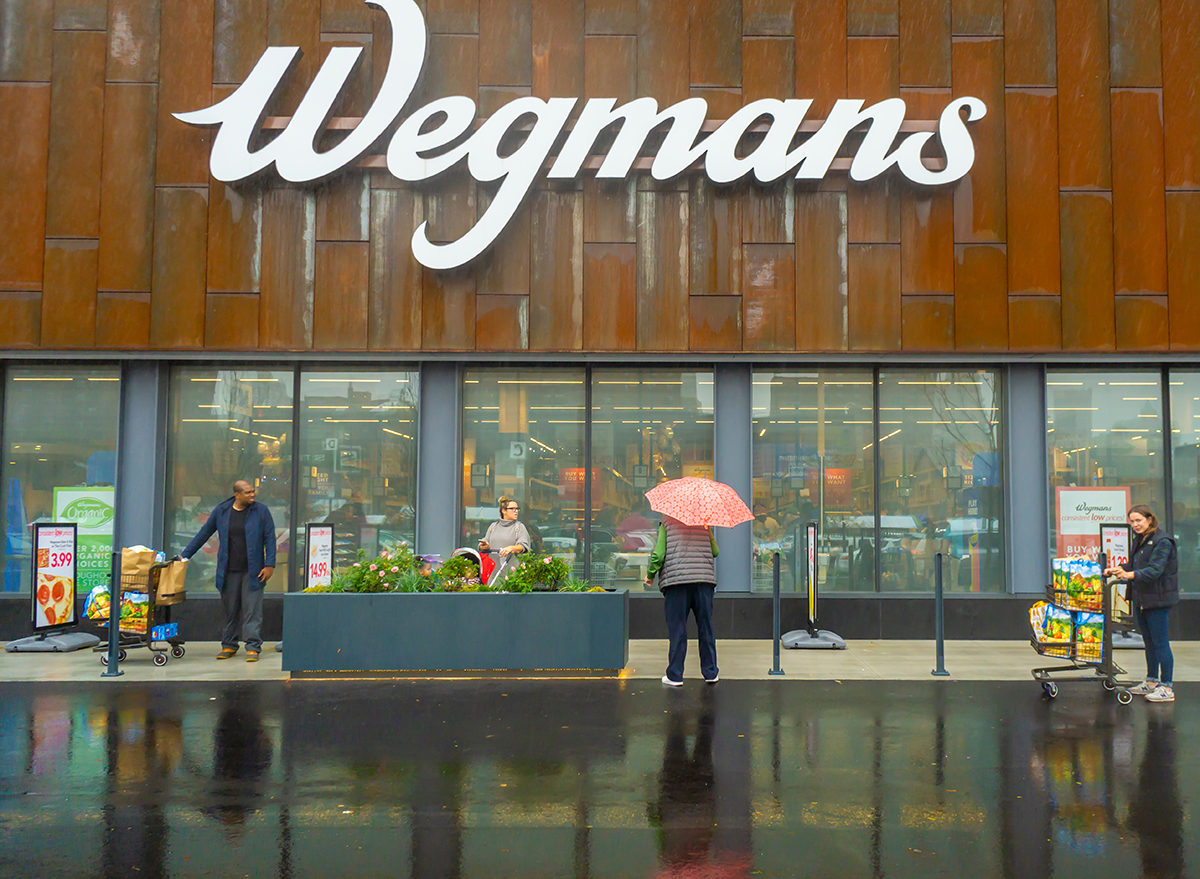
point(593, 778)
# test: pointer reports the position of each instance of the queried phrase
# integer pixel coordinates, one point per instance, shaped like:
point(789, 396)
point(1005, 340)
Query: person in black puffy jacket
point(1153, 574)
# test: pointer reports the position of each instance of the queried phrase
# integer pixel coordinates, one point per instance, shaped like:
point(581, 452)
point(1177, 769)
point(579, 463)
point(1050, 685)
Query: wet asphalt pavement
point(594, 779)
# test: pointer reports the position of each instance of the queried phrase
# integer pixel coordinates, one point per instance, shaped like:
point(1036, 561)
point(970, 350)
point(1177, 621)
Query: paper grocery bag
point(171, 583)
point(135, 568)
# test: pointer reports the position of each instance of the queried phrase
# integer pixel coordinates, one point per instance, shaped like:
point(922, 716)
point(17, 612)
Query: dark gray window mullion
point(1167, 451)
point(587, 473)
point(295, 526)
point(878, 474)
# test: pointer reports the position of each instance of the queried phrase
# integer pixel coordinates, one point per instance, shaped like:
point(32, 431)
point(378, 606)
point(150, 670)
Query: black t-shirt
point(237, 560)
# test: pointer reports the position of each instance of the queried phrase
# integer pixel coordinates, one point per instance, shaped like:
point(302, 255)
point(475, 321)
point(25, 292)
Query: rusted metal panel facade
point(1076, 229)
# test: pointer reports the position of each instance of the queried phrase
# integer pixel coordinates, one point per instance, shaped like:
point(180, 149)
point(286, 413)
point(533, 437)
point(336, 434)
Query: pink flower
point(395, 570)
point(546, 559)
point(372, 567)
point(357, 565)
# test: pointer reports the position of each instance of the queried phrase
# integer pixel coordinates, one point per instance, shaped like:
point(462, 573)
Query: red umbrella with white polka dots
point(695, 501)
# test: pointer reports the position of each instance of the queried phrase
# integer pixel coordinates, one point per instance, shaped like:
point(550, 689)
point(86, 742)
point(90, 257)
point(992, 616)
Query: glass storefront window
point(60, 440)
point(814, 460)
point(358, 456)
point(648, 426)
point(228, 425)
point(1185, 474)
point(941, 485)
point(1104, 441)
point(523, 435)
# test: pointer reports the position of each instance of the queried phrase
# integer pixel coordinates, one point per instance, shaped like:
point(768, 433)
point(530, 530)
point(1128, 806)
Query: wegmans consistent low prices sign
point(438, 136)
point(1079, 513)
point(92, 510)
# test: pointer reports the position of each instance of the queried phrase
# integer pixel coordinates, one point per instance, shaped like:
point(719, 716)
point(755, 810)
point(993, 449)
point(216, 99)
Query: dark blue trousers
point(696, 598)
point(1160, 661)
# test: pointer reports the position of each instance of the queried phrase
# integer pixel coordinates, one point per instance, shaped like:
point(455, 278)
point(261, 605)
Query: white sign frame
point(318, 550)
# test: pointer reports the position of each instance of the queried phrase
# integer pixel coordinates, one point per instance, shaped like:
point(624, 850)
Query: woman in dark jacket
point(1153, 572)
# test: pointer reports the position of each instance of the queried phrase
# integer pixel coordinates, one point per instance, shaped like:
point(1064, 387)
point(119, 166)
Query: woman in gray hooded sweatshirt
point(507, 536)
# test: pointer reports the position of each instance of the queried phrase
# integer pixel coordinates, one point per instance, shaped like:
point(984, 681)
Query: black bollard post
point(940, 671)
point(775, 623)
point(112, 668)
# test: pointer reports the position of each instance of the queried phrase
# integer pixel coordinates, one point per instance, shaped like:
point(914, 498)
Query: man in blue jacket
point(245, 562)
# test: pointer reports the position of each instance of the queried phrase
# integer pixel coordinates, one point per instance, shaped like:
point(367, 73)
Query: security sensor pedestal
point(818, 640)
point(812, 637)
point(1128, 641)
point(58, 642)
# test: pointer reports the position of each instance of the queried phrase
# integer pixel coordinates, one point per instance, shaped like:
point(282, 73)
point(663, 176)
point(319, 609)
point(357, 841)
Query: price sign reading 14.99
point(319, 545)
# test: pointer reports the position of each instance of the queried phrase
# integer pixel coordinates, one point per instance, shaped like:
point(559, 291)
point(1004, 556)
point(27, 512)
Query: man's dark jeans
point(243, 611)
point(678, 601)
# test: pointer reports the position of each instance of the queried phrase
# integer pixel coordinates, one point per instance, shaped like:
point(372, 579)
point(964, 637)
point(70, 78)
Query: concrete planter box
point(462, 631)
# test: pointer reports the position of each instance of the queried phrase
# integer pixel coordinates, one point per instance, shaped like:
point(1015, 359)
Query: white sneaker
point(1143, 688)
point(1161, 693)
point(670, 683)
point(712, 680)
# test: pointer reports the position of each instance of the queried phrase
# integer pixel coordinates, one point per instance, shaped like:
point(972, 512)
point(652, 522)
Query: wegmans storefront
point(924, 273)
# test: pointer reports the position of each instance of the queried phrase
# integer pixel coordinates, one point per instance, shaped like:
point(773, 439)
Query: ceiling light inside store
point(1064, 384)
point(114, 379)
point(397, 433)
point(42, 379)
point(206, 379)
point(361, 381)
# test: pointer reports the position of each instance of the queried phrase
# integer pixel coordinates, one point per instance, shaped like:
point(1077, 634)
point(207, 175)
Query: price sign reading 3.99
point(53, 575)
point(318, 541)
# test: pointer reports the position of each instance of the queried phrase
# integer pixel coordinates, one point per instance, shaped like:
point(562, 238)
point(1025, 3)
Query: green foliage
point(575, 585)
point(332, 587)
point(456, 573)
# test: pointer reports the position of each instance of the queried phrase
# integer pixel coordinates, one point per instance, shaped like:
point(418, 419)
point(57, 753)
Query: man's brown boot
point(227, 653)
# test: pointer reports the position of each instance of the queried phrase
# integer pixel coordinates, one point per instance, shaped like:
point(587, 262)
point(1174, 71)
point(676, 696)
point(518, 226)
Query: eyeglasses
point(506, 509)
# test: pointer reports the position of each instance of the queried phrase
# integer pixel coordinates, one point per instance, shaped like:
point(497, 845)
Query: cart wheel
point(104, 659)
point(122, 655)
point(160, 659)
point(1108, 684)
point(1124, 697)
point(1051, 689)
point(177, 651)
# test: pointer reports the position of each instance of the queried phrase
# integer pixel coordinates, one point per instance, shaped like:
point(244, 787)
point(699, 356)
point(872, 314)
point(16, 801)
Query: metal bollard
point(940, 671)
point(775, 623)
point(112, 669)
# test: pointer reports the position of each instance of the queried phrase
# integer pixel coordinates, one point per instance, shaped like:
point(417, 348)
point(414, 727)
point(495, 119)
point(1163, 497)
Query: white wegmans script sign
point(433, 138)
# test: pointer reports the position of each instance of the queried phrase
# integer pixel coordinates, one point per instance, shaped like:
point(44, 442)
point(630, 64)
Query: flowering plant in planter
point(548, 573)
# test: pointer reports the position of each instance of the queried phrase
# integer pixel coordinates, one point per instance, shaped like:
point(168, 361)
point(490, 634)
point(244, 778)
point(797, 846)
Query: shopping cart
point(157, 628)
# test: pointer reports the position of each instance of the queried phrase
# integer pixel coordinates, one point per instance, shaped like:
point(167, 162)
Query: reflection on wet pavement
point(592, 779)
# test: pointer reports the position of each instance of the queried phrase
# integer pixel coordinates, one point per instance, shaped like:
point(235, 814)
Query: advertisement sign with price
point(54, 562)
point(1114, 543)
point(318, 540)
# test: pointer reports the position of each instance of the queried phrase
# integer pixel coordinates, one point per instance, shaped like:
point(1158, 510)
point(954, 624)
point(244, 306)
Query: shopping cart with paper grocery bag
point(149, 588)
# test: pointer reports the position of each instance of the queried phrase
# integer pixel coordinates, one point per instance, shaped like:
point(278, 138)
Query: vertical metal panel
point(450, 206)
point(1032, 191)
point(773, 18)
point(662, 268)
point(733, 454)
point(1183, 264)
point(452, 16)
point(133, 40)
point(1181, 98)
point(69, 294)
point(874, 297)
point(609, 297)
point(872, 18)
point(714, 238)
point(501, 323)
point(1034, 323)
point(873, 68)
point(1027, 526)
point(1139, 211)
point(83, 15)
point(345, 17)
point(493, 97)
point(340, 295)
point(927, 323)
point(715, 323)
point(821, 272)
point(978, 17)
point(722, 102)
point(768, 212)
point(231, 320)
point(556, 271)
point(440, 463)
point(451, 67)
point(981, 297)
point(611, 16)
point(769, 300)
point(768, 68)
point(663, 40)
point(979, 205)
point(610, 68)
point(505, 42)
point(185, 83)
point(24, 146)
point(396, 277)
point(141, 453)
point(1087, 277)
point(1136, 44)
point(1030, 44)
point(76, 136)
point(26, 41)
point(715, 32)
point(609, 209)
point(504, 267)
point(354, 99)
point(1084, 152)
point(295, 23)
point(344, 207)
point(925, 42)
point(239, 38)
point(127, 187)
point(1142, 323)
point(234, 238)
point(288, 268)
point(873, 209)
point(177, 297)
point(122, 320)
point(558, 48)
point(820, 61)
point(21, 318)
point(448, 310)
point(926, 241)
